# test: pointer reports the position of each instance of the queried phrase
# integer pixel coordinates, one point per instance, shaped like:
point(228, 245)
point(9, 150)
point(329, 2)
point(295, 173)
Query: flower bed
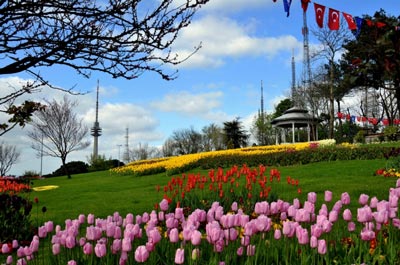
point(317, 230)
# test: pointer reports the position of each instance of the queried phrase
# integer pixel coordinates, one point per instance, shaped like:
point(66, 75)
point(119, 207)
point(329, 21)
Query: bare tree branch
point(122, 38)
point(57, 131)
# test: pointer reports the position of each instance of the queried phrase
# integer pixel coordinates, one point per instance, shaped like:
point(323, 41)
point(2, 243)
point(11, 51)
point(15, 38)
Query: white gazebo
point(296, 118)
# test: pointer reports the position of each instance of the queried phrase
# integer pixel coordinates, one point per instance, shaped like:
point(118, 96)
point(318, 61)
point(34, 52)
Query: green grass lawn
point(102, 193)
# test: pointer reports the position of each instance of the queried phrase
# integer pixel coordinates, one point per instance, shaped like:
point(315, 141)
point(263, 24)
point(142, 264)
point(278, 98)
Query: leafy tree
point(235, 135)
point(122, 38)
point(373, 58)
point(282, 106)
point(262, 129)
point(57, 131)
point(9, 155)
point(332, 42)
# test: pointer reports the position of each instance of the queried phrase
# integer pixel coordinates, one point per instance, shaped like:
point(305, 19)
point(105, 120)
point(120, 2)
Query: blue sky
point(243, 42)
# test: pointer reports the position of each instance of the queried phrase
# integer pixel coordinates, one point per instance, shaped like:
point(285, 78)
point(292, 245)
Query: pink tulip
point(313, 242)
point(71, 262)
point(180, 256)
point(15, 244)
point(302, 215)
point(126, 244)
point(302, 235)
point(87, 248)
point(34, 246)
point(42, 232)
point(351, 226)
point(196, 238)
point(347, 216)
point(5, 249)
point(312, 197)
point(219, 245)
point(70, 242)
point(141, 254)
point(100, 250)
point(322, 246)
point(309, 207)
point(333, 216)
point(9, 260)
point(345, 198)
point(154, 236)
point(367, 234)
point(239, 251)
point(178, 213)
point(277, 234)
point(364, 214)
point(174, 235)
point(363, 199)
point(234, 206)
point(263, 223)
point(316, 230)
point(328, 196)
point(56, 249)
point(145, 217)
point(381, 217)
point(323, 210)
point(116, 246)
point(90, 218)
point(164, 205)
point(374, 202)
point(21, 261)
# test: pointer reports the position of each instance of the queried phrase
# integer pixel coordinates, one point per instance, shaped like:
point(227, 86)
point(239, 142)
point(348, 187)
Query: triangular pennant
point(319, 14)
point(304, 4)
point(286, 6)
point(350, 21)
point(359, 22)
point(380, 24)
point(333, 21)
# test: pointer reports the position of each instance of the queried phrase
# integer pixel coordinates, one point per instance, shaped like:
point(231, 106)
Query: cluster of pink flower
point(115, 235)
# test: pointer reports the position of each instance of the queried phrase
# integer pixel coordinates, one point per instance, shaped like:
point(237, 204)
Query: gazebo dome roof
point(300, 118)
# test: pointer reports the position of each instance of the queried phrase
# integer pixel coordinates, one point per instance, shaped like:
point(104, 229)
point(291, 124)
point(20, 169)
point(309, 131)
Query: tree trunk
point(63, 159)
point(331, 103)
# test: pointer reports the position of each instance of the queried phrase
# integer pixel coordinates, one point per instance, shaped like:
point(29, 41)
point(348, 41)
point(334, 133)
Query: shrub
point(74, 167)
point(14, 211)
point(390, 133)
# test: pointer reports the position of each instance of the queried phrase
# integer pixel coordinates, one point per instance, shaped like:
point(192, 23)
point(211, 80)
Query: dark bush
point(74, 167)
point(15, 218)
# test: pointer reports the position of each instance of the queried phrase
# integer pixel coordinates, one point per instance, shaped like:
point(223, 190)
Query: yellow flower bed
point(177, 162)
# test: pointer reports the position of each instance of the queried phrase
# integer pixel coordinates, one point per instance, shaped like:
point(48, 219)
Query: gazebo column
point(293, 135)
point(308, 132)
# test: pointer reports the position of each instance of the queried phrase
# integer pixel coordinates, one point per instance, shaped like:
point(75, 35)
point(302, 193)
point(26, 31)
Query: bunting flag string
point(353, 23)
point(362, 119)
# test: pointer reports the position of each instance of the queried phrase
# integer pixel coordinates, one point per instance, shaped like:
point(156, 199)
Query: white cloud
point(189, 104)
point(230, 6)
point(222, 38)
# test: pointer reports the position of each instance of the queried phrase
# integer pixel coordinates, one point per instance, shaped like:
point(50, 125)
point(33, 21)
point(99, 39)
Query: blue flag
point(286, 6)
point(359, 22)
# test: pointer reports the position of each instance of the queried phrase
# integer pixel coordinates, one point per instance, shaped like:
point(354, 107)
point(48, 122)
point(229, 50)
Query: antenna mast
point(96, 130)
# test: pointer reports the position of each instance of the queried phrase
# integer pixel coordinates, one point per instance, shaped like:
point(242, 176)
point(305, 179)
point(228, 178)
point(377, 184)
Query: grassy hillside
point(102, 193)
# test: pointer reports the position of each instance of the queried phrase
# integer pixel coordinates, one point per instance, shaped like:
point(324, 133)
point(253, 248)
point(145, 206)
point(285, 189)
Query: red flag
point(319, 14)
point(370, 23)
point(333, 21)
point(380, 24)
point(350, 21)
point(304, 4)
